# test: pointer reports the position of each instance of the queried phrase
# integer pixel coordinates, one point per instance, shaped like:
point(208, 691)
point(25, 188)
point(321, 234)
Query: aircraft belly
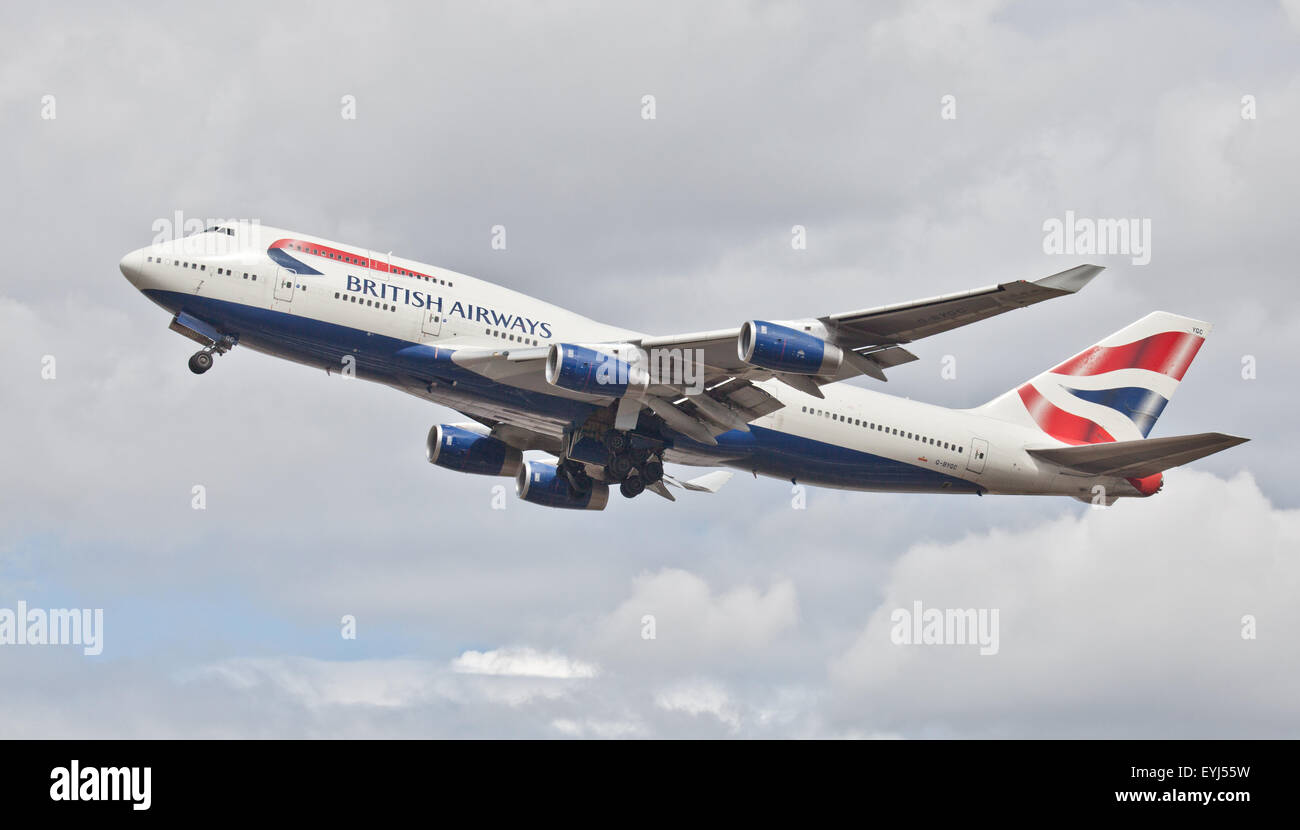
point(784, 455)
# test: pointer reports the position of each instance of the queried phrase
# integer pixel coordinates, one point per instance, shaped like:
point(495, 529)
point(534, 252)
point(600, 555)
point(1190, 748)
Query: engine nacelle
point(542, 483)
point(784, 349)
point(587, 370)
point(466, 448)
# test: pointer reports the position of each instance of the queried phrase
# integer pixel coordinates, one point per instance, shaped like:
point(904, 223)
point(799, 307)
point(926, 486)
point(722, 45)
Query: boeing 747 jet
point(611, 406)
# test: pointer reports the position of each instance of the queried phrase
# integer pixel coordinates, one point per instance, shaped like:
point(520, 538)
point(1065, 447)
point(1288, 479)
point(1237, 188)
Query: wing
point(871, 337)
point(724, 396)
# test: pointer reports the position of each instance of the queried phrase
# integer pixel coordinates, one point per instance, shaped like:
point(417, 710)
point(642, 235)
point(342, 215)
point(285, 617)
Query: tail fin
point(1113, 391)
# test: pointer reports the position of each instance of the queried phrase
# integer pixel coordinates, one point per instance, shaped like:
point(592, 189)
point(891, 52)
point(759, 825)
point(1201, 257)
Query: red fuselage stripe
point(340, 255)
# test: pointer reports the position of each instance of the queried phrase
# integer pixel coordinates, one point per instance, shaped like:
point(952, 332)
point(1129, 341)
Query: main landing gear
point(576, 474)
point(634, 469)
point(632, 465)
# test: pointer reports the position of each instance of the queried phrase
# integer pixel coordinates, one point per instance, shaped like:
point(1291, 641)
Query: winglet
point(1072, 280)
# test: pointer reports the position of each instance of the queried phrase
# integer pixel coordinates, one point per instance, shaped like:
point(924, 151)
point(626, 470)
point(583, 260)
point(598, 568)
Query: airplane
point(611, 405)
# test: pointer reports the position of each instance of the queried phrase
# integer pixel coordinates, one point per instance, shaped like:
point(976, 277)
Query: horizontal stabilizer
point(1140, 458)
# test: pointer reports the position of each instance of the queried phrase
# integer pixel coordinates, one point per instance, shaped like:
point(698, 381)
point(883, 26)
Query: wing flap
point(707, 483)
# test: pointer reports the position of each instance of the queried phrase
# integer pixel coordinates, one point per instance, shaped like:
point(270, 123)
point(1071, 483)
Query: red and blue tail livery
point(1114, 390)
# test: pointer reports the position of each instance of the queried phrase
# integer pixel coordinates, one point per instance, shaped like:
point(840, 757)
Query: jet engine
point(784, 349)
point(541, 483)
point(467, 448)
point(593, 372)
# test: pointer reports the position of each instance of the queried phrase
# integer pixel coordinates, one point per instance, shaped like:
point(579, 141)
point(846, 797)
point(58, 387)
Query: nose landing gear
point(200, 362)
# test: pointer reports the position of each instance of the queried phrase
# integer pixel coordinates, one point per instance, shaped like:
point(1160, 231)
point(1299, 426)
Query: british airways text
point(469, 311)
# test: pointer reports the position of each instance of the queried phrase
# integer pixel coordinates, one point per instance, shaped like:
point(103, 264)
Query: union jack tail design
point(1113, 391)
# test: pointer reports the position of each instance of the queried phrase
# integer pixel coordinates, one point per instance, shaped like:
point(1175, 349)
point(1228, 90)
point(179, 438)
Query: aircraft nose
point(130, 266)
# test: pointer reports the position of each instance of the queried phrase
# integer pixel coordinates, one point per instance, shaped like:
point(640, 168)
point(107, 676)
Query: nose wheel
point(200, 362)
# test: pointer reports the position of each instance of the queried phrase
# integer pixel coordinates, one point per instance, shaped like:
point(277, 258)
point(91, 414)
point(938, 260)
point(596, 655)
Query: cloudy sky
point(770, 621)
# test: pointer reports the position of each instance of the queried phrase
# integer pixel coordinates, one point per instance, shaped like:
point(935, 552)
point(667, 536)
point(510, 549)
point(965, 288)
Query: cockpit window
point(219, 229)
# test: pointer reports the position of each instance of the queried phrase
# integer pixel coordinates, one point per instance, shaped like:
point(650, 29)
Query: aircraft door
point(975, 460)
point(285, 281)
point(432, 323)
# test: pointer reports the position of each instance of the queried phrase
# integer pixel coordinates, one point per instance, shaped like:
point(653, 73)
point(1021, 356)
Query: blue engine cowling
point(463, 448)
point(543, 484)
point(783, 349)
point(582, 369)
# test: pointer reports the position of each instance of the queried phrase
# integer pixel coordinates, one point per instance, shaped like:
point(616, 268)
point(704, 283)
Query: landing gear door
point(285, 280)
point(978, 449)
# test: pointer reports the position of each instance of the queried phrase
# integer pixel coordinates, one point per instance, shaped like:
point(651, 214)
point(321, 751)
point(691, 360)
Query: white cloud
point(319, 683)
point(692, 625)
point(1292, 10)
point(522, 662)
point(700, 698)
point(404, 683)
point(589, 728)
point(1124, 621)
